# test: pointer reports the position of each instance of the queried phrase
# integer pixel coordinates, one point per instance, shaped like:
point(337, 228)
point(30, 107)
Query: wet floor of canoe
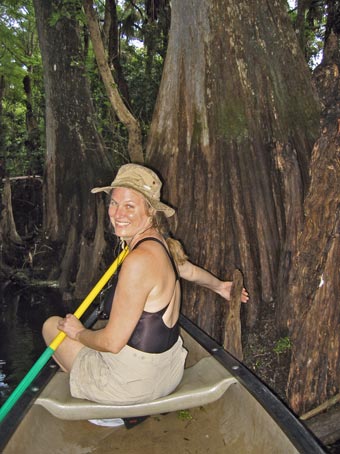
point(226, 426)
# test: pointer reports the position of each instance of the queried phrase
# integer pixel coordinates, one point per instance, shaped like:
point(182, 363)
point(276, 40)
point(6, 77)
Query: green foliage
point(314, 47)
point(184, 415)
point(143, 36)
point(282, 345)
point(142, 70)
point(20, 63)
point(315, 17)
point(143, 40)
point(67, 9)
point(143, 82)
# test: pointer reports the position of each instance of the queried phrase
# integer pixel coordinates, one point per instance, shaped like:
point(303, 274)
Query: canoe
point(219, 407)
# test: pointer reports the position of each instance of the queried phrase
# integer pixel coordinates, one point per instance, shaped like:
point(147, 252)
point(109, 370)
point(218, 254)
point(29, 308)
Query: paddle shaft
point(48, 353)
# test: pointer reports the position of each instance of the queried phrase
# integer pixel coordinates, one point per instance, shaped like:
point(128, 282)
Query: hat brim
point(156, 204)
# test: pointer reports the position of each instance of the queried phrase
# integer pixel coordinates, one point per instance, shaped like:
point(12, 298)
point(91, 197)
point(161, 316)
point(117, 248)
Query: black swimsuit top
point(151, 335)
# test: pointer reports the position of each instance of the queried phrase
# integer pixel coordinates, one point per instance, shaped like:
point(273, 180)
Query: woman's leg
point(67, 350)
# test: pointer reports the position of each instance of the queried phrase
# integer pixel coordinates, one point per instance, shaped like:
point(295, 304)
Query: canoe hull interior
point(231, 425)
point(235, 423)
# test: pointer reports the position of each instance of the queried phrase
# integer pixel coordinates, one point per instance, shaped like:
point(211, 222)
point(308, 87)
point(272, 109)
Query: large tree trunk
point(2, 128)
point(32, 142)
point(75, 159)
point(314, 286)
point(232, 133)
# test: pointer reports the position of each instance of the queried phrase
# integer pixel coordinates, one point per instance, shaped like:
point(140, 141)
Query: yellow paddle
point(47, 354)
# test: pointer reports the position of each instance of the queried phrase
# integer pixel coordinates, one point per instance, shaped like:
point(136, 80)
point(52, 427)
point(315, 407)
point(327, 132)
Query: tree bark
point(314, 287)
point(114, 53)
point(11, 244)
point(232, 338)
point(8, 229)
point(76, 160)
point(2, 129)
point(32, 143)
point(135, 136)
point(235, 113)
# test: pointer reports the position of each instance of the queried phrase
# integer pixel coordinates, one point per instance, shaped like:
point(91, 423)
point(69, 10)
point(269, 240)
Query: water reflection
point(22, 313)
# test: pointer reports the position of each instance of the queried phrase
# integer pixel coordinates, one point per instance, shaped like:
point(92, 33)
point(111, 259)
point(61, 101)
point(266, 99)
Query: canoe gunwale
point(300, 436)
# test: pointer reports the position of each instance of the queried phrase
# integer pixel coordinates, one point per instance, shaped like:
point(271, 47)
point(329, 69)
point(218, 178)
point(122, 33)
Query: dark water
point(22, 313)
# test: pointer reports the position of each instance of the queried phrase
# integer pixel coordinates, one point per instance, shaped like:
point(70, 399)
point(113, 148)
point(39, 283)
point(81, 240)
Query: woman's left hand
point(71, 326)
point(226, 289)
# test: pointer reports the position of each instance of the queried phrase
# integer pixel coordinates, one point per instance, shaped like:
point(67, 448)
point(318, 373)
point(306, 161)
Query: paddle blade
point(25, 382)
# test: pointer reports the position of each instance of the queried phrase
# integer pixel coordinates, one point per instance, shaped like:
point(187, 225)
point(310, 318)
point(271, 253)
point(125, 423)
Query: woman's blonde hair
point(160, 222)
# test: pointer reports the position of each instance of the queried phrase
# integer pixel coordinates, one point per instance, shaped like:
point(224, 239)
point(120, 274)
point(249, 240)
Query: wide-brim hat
point(143, 180)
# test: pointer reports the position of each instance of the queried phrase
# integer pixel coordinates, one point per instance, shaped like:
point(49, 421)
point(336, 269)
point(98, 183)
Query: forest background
point(236, 104)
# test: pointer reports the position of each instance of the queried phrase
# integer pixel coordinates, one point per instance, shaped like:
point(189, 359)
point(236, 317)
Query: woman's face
point(128, 213)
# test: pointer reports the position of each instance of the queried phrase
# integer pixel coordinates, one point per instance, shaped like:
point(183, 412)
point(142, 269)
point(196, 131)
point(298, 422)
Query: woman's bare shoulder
point(140, 260)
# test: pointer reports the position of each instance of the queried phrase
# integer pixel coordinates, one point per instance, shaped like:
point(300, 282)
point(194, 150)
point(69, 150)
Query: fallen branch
point(24, 177)
point(324, 406)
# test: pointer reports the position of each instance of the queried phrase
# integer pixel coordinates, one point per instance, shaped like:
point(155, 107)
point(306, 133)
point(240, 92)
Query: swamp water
point(22, 314)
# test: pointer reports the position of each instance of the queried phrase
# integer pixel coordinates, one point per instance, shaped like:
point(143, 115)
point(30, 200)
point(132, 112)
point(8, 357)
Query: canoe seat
point(204, 382)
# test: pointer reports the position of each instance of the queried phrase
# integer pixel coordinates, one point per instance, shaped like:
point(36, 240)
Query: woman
point(138, 356)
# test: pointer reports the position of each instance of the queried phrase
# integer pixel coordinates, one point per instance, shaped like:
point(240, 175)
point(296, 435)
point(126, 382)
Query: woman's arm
point(199, 276)
point(136, 280)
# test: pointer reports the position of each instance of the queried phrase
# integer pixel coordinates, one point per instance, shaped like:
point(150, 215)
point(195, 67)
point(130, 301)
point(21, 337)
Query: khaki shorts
point(128, 377)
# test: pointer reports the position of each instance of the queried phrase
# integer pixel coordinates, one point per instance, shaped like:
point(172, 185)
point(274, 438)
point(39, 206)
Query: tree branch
point(135, 137)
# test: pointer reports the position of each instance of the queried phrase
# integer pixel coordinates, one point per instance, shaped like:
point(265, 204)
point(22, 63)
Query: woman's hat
point(143, 180)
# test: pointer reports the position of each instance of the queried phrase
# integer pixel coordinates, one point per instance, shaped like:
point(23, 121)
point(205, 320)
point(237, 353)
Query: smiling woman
point(128, 212)
point(146, 301)
point(138, 356)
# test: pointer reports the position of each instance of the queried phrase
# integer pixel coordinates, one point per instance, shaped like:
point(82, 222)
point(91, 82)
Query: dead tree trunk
point(235, 113)
point(232, 338)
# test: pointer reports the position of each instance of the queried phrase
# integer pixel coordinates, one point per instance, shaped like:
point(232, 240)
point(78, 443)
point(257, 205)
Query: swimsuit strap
point(151, 238)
